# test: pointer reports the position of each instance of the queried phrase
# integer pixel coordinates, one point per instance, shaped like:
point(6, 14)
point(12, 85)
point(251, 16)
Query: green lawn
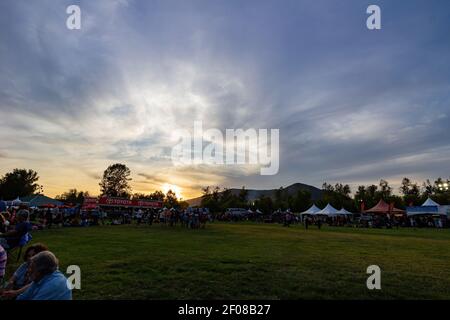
point(252, 261)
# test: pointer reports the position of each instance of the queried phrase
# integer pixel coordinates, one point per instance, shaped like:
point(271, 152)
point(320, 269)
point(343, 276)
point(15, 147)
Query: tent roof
point(328, 210)
point(383, 207)
point(40, 200)
point(313, 209)
point(429, 202)
point(343, 211)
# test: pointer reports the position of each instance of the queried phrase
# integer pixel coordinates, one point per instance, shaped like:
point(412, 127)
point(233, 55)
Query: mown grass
point(252, 261)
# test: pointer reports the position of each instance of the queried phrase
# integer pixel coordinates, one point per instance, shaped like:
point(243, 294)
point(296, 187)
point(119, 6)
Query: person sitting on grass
point(12, 238)
point(20, 279)
point(48, 282)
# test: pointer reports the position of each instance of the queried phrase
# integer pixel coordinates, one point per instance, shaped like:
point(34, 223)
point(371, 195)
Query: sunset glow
point(167, 186)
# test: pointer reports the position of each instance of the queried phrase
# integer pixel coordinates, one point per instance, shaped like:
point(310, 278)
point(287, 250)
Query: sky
point(352, 105)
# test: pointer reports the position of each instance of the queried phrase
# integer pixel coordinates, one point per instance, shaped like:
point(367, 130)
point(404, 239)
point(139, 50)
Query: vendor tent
point(344, 212)
point(328, 211)
point(312, 210)
point(383, 208)
point(429, 207)
point(39, 200)
point(15, 203)
point(430, 202)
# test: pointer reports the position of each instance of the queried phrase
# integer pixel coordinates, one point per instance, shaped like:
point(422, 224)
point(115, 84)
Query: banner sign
point(119, 202)
point(90, 203)
point(93, 203)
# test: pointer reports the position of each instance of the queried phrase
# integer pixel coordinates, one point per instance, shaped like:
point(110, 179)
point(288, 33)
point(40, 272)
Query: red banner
point(90, 203)
point(118, 202)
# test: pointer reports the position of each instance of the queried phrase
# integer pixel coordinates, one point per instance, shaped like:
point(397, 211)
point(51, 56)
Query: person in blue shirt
point(20, 278)
point(12, 238)
point(48, 282)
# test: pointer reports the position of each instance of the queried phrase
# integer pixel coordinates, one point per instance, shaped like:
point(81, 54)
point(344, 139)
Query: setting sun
point(176, 189)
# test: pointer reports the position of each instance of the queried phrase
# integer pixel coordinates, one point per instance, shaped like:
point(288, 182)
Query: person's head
point(33, 250)
point(23, 215)
point(42, 264)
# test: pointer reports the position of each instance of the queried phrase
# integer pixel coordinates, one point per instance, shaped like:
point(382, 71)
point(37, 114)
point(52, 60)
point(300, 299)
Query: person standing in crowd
point(139, 217)
point(306, 223)
point(48, 283)
point(49, 218)
point(103, 216)
point(4, 222)
point(3, 259)
point(151, 216)
point(288, 219)
point(319, 223)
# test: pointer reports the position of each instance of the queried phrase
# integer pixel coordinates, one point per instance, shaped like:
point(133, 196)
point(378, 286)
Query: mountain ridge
point(254, 194)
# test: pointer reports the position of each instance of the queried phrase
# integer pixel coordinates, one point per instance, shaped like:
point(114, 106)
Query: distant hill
point(291, 190)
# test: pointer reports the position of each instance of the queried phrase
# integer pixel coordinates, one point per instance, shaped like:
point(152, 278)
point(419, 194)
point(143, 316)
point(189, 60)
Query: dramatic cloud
point(352, 105)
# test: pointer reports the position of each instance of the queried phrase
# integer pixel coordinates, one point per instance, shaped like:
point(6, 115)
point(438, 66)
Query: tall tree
point(115, 181)
point(385, 189)
point(157, 195)
point(73, 196)
point(212, 198)
point(301, 201)
point(171, 199)
point(281, 199)
point(243, 195)
point(18, 183)
point(410, 191)
point(264, 204)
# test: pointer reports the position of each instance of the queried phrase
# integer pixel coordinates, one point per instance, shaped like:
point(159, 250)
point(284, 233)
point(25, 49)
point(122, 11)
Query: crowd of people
point(45, 218)
point(38, 277)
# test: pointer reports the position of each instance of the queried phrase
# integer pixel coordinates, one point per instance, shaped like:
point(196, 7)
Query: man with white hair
point(48, 282)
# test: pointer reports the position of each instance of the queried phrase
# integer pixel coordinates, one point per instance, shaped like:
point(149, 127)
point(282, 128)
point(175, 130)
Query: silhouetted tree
point(171, 200)
point(18, 183)
point(73, 196)
point(115, 181)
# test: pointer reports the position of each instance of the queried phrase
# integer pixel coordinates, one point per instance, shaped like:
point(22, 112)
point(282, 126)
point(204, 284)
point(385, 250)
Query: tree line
point(338, 195)
point(115, 182)
point(116, 179)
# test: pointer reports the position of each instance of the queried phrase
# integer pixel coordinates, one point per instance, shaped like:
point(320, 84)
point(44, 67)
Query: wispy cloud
point(351, 105)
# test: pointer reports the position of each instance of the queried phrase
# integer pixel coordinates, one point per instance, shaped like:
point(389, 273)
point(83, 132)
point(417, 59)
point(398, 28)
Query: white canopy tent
point(328, 211)
point(15, 203)
point(429, 207)
point(312, 210)
point(344, 212)
point(429, 202)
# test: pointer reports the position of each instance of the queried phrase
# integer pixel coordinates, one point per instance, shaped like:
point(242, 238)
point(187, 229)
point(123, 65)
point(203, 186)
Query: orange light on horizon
point(176, 189)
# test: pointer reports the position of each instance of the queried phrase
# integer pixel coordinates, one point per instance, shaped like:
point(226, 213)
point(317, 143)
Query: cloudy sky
point(352, 105)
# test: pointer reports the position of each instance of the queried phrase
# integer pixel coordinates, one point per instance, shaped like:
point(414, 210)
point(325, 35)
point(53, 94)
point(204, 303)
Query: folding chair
point(24, 240)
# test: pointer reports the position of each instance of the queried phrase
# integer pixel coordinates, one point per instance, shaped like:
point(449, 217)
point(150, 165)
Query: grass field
point(252, 261)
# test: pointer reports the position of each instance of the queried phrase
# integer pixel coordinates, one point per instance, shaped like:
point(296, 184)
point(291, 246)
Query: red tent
point(47, 205)
point(384, 208)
